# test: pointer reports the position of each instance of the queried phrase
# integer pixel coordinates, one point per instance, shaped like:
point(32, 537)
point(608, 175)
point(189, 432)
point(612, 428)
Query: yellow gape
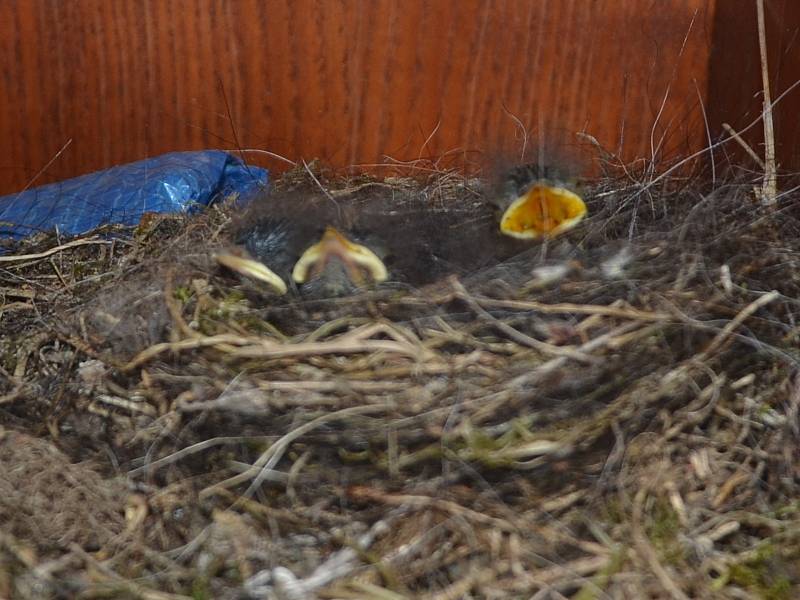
point(253, 269)
point(543, 211)
point(357, 259)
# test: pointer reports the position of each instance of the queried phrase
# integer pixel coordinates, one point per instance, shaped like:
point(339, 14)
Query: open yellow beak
point(543, 211)
point(253, 269)
point(358, 260)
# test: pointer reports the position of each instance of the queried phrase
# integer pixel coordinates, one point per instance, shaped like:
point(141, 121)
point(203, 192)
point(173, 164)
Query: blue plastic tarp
point(171, 183)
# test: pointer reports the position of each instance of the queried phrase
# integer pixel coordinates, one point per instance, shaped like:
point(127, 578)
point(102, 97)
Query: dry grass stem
point(770, 188)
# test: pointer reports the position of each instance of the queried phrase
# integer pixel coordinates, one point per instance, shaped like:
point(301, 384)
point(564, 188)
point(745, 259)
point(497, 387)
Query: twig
point(739, 140)
point(107, 580)
point(646, 550)
point(723, 141)
point(46, 253)
point(514, 334)
point(736, 321)
point(343, 346)
point(769, 191)
point(193, 449)
point(47, 166)
point(338, 565)
point(18, 392)
point(578, 309)
point(429, 138)
point(362, 493)
point(319, 184)
point(522, 128)
point(174, 307)
point(461, 587)
point(149, 353)
point(15, 306)
point(273, 454)
point(708, 136)
point(656, 148)
point(268, 153)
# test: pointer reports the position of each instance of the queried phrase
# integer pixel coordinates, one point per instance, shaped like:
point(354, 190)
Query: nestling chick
point(537, 201)
point(301, 241)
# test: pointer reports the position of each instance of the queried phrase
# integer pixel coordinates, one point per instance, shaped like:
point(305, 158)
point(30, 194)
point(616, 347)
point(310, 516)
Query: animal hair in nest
point(129, 316)
point(46, 498)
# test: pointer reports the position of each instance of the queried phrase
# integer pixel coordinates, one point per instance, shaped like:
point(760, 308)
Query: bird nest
point(611, 413)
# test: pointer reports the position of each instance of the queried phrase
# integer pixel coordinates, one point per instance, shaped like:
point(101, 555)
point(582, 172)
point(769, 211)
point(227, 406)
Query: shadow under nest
point(507, 429)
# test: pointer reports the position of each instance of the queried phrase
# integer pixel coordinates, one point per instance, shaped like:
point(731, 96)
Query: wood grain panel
point(349, 81)
point(735, 92)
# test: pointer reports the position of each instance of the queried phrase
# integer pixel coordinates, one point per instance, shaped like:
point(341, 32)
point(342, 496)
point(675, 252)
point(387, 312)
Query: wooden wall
point(735, 95)
point(349, 81)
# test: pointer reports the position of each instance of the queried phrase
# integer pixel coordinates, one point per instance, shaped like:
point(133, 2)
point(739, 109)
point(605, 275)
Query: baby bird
point(302, 242)
point(537, 202)
point(309, 243)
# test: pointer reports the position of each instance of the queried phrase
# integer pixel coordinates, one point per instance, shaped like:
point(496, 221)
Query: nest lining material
point(613, 413)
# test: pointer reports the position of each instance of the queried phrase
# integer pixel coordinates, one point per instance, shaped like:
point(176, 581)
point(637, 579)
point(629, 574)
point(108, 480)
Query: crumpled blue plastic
point(170, 183)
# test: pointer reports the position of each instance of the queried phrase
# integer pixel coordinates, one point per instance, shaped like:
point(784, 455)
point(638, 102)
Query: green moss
point(613, 512)
point(598, 584)
point(356, 457)
point(477, 445)
point(182, 293)
point(786, 512)
point(662, 529)
point(200, 589)
point(759, 575)
point(432, 452)
point(78, 270)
